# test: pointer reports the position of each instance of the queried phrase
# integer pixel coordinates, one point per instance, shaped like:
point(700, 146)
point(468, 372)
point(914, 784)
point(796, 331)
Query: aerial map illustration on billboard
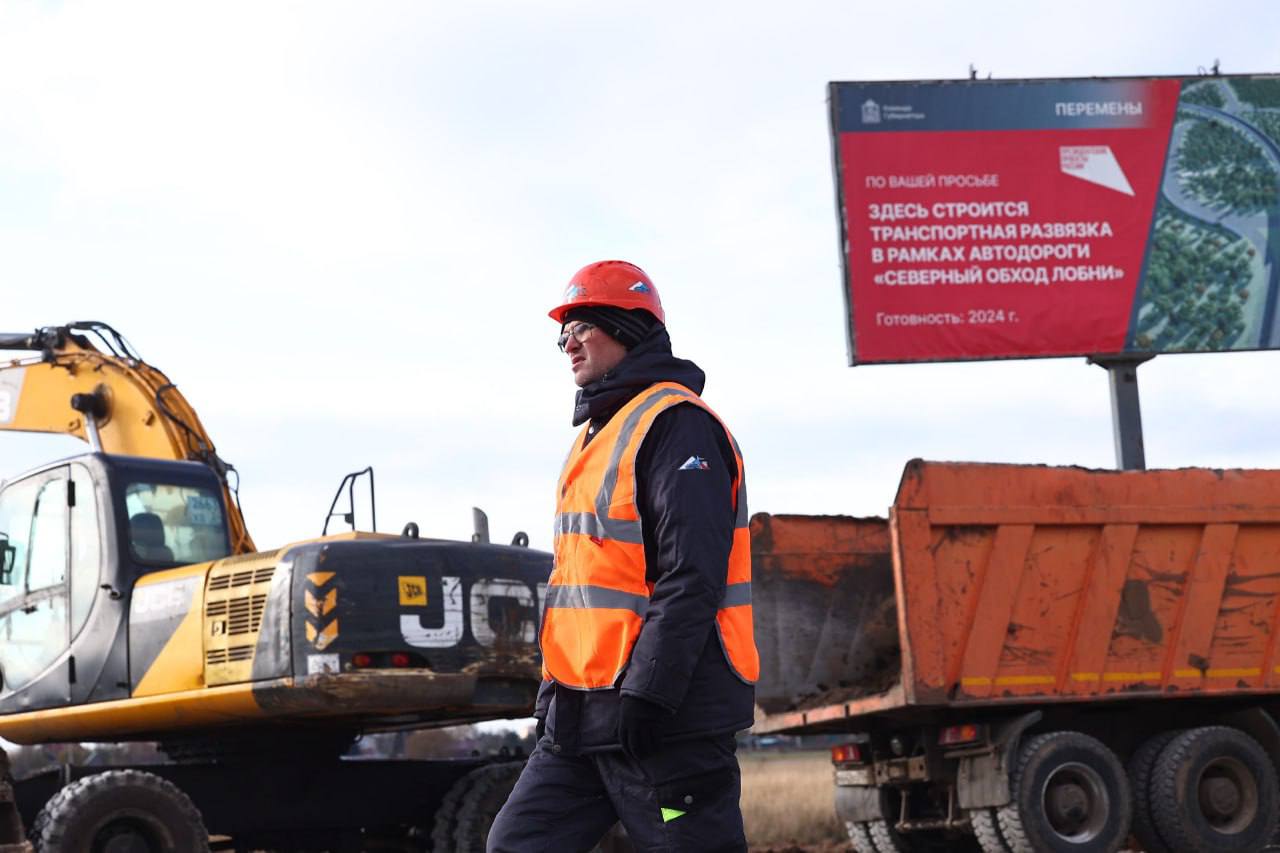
point(1013, 219)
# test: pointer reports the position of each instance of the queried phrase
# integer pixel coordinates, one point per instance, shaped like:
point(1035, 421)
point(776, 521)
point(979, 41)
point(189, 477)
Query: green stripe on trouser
point(669, 815)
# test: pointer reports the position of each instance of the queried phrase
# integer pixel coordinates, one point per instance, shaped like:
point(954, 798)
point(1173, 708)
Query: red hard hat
point(615, 283)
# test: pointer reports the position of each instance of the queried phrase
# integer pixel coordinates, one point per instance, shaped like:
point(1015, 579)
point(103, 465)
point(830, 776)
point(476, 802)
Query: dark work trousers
point(685, 798)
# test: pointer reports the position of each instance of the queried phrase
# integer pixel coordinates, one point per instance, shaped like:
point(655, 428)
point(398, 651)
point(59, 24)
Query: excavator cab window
point(35, 515)
point(173, 524)
point(17, 504)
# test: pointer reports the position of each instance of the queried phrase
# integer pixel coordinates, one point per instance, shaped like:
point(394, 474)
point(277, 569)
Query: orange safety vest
point(598, 595)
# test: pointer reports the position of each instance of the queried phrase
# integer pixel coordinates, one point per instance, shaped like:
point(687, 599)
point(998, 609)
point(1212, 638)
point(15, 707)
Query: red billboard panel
point(1014, 219)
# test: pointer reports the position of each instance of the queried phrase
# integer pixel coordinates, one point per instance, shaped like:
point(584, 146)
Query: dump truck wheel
point(120, 810)
point(885, 838)
point(986, 828)
point(1069, 794)
point(1141, 764)
point(1213, 789)
point(860, 837)
point(482, 802)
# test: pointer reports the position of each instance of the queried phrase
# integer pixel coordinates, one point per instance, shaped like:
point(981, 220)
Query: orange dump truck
point(1028, 658)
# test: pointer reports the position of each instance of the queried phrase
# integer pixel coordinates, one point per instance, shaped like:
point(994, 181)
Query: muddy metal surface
point(826, 617)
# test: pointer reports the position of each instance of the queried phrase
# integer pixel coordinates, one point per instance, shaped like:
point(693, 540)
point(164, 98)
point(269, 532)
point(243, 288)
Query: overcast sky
point(338, 228)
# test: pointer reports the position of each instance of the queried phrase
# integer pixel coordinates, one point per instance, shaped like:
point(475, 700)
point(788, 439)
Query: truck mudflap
point(982, 779)
point(859, 804)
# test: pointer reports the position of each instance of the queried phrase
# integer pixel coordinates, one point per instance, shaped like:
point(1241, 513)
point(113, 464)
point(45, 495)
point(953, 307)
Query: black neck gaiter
point(645, 364)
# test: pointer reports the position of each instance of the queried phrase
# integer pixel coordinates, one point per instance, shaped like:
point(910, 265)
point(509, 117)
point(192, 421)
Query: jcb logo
point(413, 592)
point(502, 610)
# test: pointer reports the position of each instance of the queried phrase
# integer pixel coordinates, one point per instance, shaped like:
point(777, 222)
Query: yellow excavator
point(135, 606)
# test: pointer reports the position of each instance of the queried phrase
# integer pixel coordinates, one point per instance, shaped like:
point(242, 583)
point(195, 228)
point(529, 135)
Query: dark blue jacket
point(687, 517)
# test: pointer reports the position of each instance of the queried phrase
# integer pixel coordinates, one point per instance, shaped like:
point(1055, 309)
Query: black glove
point(640, 727)
point(539, 728)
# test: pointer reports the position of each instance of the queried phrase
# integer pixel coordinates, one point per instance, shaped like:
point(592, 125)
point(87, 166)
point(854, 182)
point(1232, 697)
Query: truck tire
point(1213, 790)
point(1070, 793)
point(129, 809)
point(986, 828)
point(481, 803)
point(859, 837)
point(887, 839)
point(1141, 763)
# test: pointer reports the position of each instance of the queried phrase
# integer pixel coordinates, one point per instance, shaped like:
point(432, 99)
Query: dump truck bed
point(1011, 584)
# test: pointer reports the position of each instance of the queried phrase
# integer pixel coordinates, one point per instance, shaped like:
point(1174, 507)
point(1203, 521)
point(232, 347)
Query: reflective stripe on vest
point(597, 595)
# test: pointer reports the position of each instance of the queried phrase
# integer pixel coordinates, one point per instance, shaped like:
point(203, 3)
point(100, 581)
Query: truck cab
point(75, 536)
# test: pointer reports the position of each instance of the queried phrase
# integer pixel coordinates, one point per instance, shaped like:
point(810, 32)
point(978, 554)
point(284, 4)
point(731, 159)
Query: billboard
point(1014, 219)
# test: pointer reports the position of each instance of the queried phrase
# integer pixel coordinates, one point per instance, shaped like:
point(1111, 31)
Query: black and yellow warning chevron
point(321, 599)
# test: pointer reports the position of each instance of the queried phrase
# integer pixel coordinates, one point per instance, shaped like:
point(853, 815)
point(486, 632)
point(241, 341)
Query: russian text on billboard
point(1039, 218)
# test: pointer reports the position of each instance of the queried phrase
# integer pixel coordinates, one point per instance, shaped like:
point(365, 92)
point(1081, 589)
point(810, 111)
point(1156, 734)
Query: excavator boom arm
point(106, 395)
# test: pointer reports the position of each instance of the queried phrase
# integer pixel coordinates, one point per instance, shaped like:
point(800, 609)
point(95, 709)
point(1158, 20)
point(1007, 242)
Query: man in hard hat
point(648, 656)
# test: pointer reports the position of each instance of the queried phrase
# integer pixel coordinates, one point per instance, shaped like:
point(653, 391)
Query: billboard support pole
point(1126, 414)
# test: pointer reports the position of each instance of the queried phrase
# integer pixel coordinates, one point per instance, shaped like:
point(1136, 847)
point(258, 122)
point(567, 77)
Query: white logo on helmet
point(639, 287)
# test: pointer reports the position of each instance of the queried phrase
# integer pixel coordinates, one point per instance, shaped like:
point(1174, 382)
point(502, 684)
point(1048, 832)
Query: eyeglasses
point(579, 333)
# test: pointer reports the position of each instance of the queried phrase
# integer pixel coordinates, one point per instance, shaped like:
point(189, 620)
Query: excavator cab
point(74, 538)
